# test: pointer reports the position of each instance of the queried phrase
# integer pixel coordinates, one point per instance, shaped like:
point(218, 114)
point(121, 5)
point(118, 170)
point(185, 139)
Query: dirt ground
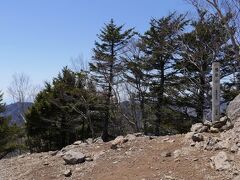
point(144, 158)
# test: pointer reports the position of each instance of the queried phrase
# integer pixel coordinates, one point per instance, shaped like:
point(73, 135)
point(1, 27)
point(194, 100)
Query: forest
point(157, 82)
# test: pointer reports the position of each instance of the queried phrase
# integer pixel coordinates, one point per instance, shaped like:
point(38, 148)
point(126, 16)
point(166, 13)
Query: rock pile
point(222, 136)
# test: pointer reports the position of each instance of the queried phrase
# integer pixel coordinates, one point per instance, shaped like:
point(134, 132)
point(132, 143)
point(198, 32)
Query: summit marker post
point(215, 91)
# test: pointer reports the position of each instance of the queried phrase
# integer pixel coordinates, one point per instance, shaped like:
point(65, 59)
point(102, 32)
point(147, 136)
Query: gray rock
point(139, 134)
point(77, 143)
point(207, 123)
point(203, 129)
point(118, 141)
point(234, 148)
point(211, 142)
point(166, 154)
point(227, 127)
point(223, 145)
point(177, 153)
point(89, 141)
point(192, 144)
point(219, 124)
point(98, 140)
point(221, 161)
point(189, 135)
point(88, 159)
point(233, 109)
point(214, 130)
point(197, 137)
point(53, 153)
point(46, 163)
point(67, 173)
point(72, 157)
point(196, 127)
point(130, 137)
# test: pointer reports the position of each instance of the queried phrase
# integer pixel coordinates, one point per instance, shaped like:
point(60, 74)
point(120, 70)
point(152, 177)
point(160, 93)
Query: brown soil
point(140, 159)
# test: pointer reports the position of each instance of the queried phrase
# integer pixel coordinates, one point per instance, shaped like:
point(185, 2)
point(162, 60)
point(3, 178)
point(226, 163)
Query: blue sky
point(39, 37)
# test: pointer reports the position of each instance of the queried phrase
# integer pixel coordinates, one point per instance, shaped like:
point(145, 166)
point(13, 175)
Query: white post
point(216, 91)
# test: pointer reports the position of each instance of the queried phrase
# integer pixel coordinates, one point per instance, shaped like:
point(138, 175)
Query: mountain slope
point(15, 110)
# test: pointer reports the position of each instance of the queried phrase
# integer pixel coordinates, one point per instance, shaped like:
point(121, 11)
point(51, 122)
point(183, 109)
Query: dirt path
point(139, 159)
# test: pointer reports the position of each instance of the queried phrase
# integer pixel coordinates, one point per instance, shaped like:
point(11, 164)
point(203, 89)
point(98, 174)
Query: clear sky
point(39, 37)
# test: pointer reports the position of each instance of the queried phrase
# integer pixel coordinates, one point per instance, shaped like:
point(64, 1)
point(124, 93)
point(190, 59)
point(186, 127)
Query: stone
point(152, 137)
point(223, 145)
point(189, 135)
point(89, 141)
point(177, 153)
point(72, 157)
point(88, 159)
point(218, 124)
point(207, 123)
point(138, 134)
point(203, 129)
point(227, 127)
point(221, 161)
point(98, 140)
point(224, 119)
point(130, 137)
point(214, 130)
point(46, 163)
point(197, 137)
point(166, 154)
point(118, 141)
point(234, 148)
point(233, 109)
point(77, 143)
point(196, 127)
point(68, 173)
point(192, 144)
point(211, 142)
point(53, 153)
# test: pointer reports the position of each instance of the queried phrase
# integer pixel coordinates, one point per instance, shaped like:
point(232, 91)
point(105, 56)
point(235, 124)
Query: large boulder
point(233, 109)
point(199, 128)
point(196, 127)
point(72, 157)
point(221, 161)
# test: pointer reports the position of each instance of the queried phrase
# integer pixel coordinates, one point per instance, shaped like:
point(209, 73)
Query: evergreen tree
point(106, 66)
point(65, 111)
point(136, 75)
point(8, 134)
point(207, 42)
point(160, 43)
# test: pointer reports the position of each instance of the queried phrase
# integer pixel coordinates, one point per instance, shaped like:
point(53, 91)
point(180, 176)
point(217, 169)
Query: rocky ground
point(140, 158)
point(210, 151)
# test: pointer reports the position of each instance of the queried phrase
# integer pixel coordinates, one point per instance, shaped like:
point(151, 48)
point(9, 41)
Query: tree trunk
point(201, 98)
point(159, 112)
point(105, 135)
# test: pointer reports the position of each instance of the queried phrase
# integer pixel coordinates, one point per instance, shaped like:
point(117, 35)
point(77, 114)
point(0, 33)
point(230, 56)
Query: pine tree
point(160, 43)
point(207, 42)
point(136, 75)
point(106, 66)
point(66, 110)
point(8, 134)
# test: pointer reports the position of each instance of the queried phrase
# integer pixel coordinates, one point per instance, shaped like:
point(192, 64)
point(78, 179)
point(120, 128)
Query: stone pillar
point(215, 91)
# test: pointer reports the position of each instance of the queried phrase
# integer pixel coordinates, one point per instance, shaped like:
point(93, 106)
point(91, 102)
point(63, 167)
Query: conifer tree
point(8, 134)
point(136, 75)
point(106, 66)
point(207, 42)
point(160, 43)
point(66, 110)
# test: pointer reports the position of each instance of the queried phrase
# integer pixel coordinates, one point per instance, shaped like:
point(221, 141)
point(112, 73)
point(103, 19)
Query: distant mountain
point(16, 110)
